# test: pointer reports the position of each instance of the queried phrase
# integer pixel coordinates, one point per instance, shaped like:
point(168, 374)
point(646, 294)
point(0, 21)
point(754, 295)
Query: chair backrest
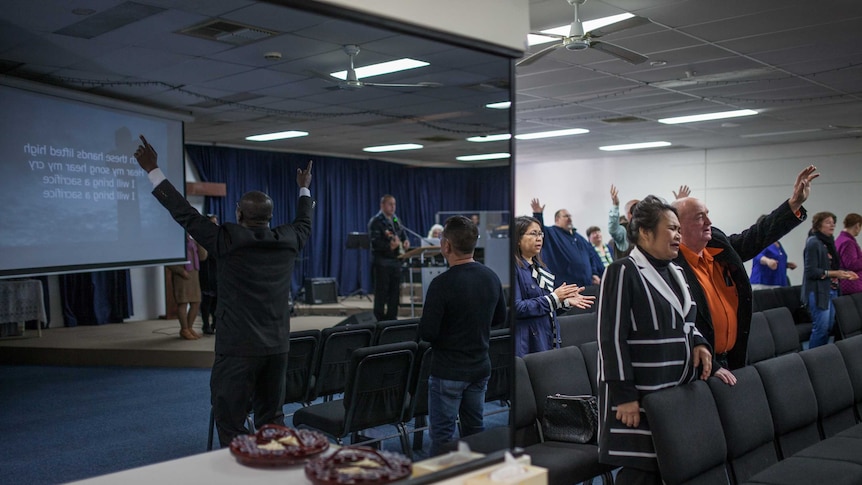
point(851, 351)
point(391, 331)
point(557, 371)
point(747, 423)
point(760, 343)
point(377, 385)
point(791, 402)
point(832, 388)
point(300, 365)
point(783, 329)
point(590, 350)
point(848, 315)
point(418, 405)
point(336, 348)
point(523, 417)
point(686, 430)
point(764, 299)
point(578, 329)
point(500, 352)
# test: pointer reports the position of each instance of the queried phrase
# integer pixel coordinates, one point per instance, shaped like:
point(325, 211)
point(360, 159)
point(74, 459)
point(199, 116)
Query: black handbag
point(573, 419)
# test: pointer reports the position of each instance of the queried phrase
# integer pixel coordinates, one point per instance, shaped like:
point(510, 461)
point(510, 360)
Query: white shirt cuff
point(156, 176)
point(304, 192)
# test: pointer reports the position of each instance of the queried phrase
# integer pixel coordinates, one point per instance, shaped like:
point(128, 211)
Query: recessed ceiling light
point(393, 148)
point(708, 116)
point(657, 63)
point(484, 156)
point(564, 30)
point(482, 139)
point(382, 68)
point(551, 134)
point(780, 133)
point(281, 135)
point(500, 105)
point(635, 146)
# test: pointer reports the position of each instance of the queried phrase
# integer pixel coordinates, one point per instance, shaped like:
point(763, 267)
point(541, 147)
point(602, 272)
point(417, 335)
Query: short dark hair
point(256, 208)
point(647, 215)
point(852, 219)
point(592, 229)
point(521, 225)
point(462, 234)
point(818, 219)
point(386, 197)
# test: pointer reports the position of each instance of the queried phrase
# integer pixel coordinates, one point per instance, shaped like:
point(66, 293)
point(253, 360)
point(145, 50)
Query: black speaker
point(357, 318)
point(320, 290)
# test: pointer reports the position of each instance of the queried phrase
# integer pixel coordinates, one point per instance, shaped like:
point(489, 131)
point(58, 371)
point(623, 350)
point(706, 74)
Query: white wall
point(501, 22)
point(738, 185)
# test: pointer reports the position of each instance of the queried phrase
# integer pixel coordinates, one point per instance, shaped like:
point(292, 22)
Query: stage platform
point(154, 343)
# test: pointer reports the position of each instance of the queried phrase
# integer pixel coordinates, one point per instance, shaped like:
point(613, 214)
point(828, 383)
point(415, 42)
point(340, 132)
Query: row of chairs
point(795, 418)
point(388, 385)
point(789, 297)
point(569, 370)
point(346, 360)
point(773, 333)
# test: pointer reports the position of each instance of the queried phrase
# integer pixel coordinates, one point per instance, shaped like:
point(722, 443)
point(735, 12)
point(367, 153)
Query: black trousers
point(208, 308)
point(239, 385)
point(387, 291)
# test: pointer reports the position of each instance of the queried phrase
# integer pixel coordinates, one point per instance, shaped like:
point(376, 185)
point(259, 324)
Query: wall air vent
point(228, 32)
point(622, 120)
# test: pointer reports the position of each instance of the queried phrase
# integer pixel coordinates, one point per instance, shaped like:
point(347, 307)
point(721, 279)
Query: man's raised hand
point(146, 156)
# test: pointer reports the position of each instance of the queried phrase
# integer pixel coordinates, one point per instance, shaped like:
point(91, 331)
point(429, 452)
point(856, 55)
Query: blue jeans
point(822, 321)
point(447, 400)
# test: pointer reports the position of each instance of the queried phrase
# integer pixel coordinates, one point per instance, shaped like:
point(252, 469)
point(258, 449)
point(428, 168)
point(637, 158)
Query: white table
point(20, 301)
point(210, 468)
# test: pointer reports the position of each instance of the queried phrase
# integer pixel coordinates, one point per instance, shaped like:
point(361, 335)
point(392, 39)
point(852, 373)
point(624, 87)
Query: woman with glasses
point(537, 301)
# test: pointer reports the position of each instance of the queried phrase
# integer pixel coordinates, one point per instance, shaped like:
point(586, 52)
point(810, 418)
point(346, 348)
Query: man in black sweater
point(255, 264)
point(460, 308)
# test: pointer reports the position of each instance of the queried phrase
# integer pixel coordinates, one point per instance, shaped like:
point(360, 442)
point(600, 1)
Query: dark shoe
point(208, 329)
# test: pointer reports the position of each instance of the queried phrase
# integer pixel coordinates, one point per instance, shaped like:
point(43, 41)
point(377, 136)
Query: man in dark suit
point(255, 263)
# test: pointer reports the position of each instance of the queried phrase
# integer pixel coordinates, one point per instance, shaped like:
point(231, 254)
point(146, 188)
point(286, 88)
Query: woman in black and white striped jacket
point(647, 339)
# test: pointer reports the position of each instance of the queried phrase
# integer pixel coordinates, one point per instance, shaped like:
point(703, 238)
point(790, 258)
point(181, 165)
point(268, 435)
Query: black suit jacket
point(738, 248)
point(255, 266)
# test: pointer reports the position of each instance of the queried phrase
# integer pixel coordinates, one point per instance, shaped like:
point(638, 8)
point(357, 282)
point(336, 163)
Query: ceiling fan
point(352, 83)
point(579, 40)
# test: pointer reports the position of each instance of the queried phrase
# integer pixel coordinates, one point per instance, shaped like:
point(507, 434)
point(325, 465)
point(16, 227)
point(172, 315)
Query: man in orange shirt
point(713, 265)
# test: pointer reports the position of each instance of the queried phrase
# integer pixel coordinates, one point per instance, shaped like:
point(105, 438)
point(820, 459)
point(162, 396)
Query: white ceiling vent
point(228, 32)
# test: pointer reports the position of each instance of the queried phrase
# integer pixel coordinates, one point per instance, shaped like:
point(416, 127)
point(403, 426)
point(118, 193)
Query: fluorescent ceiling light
point(484, 156)
point(551, 134)
point(392, 148)
point(780, 133)
point(382, 68)
point(564, 30)
point(635, 146)
point(482, 139)
point(500, 105)
point(281, 135)
point(708, 116)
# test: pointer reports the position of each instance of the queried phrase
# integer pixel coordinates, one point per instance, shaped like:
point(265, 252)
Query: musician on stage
point(388, 241)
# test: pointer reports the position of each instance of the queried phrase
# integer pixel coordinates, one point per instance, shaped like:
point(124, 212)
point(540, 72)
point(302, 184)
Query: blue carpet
point(61, 424)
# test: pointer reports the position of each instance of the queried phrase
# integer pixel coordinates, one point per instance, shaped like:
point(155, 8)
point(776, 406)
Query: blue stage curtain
point(96, 298)
point(348, 194)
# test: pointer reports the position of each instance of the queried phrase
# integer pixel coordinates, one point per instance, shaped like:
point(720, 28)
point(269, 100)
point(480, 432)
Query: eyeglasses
point(535, 234)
